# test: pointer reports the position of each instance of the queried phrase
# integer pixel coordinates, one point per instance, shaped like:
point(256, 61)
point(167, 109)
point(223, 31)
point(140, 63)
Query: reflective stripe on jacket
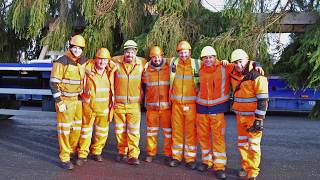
point(251, 97)
point(128, 80)
point(157, 81)
point(66, 76)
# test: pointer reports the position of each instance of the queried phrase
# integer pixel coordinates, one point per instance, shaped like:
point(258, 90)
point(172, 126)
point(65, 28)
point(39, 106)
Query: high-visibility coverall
point(212, 102)
point(250, 104)
point(66, 85)
point(127, 114)
point(97, 108)
point(157, 81)
point(183, 96)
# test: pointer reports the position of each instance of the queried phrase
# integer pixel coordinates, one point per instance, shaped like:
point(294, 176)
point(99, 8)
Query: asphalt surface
point(29, 150)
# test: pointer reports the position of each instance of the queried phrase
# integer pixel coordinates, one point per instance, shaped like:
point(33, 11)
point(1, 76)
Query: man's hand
point(62, 107)
point(224, 62)
point(256, 126)
point(260, 70)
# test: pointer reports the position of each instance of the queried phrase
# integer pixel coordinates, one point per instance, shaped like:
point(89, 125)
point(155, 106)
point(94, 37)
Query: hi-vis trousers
point(69, 127)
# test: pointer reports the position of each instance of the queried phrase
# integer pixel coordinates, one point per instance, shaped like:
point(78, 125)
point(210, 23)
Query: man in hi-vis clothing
point(128, 93)
point(184, 78)
point(97, 105)
point(66, 85)
point(156, 78)
point(250, 102)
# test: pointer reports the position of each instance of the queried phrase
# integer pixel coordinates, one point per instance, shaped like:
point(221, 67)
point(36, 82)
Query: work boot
point(133, 161)
point(167, 159)
point(67, 165)
point(191, 165)
point(97, 158)
point(81, 161)
point(121, 157)
point(149, 158)
point(242, 173)
point(174, 163)
point(252, 178)
point(203, 167)
point(220, 174)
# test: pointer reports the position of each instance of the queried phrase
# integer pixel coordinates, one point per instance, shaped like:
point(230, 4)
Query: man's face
point(100, 63)
point(157, 60)
point(130, 55)
point(76, 51)
point(209, 60)
point(184, 54)
point(241, 64)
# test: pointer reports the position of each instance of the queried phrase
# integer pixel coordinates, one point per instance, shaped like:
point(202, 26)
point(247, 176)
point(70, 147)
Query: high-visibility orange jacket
point(157, 81)
point(66, 76)
point(183, 90)
point(128, 80)
point(250, 95)
point(99, 89)
point(214, 84)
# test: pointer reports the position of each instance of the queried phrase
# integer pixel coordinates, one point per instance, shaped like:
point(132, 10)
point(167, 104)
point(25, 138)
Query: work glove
point(62, 107)
point(256, 126)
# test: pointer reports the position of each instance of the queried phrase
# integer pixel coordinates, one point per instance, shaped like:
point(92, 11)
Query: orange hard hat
point(155, 51)
point(183, 45)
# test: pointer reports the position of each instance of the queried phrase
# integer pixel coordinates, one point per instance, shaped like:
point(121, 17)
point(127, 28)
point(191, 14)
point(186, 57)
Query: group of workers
point(185, 97)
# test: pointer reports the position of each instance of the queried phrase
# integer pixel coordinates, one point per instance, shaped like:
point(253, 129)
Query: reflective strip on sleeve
point(184, 97)
point(56, 95)
point(259, 112)
point(68, 81)
point(241, 100)
point(262, 96)
point(55, 80)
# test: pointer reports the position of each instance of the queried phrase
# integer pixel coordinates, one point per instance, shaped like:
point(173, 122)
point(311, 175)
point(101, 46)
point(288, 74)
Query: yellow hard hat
point(78, 40)
point(208, 51)
point(155, 51)
point(238, 54)
point(103, 53)
point(130, 44)
point(183, 45)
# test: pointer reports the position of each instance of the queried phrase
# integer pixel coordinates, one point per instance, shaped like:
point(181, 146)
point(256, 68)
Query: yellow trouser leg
point(165, 121)
point(218, 126)
point(133, 133)
point(101, 134)
point(203, 130)
point(190, 148)
point(68, 127)
point(86, 131)
point(177, 131)
point(121, 131)
point(254, 156)
point(152, 132)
